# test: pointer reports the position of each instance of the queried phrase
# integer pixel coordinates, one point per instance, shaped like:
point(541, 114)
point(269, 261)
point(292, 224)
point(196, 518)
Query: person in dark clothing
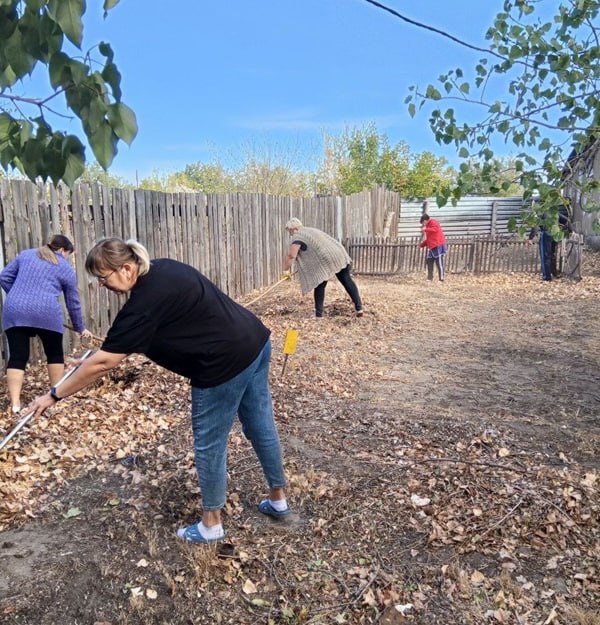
point(548, 245)
point(183, 322)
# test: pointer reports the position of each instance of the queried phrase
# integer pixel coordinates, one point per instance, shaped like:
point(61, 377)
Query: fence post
point(339, 235)
point(476, 256)
point(494, 218)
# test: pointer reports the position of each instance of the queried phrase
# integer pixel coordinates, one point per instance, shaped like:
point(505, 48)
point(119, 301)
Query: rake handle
point(23, 422)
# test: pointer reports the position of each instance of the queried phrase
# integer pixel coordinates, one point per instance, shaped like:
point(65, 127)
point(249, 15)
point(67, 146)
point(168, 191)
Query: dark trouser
point(439, 263)
point(18, 346)
point(435, 256)
point(349, 285)
point(548, 256)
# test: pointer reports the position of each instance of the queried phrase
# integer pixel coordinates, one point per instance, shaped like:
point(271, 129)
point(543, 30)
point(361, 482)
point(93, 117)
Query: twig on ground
point(506, 516)
point(471, 462)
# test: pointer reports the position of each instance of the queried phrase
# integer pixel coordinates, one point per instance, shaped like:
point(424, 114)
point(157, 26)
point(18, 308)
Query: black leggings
point(347, 282)
point(18, 345)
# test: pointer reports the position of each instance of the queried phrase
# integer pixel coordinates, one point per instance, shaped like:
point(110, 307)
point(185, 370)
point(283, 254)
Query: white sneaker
point(16, 409)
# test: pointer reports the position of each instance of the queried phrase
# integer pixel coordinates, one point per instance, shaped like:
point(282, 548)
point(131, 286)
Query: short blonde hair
point(294, 222)
point(113, 253)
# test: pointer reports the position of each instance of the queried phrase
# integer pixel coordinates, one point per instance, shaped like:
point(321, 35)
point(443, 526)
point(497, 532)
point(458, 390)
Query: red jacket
point(434, 236)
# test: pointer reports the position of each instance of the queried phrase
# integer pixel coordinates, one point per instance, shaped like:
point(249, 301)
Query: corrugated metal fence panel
point(471, 216)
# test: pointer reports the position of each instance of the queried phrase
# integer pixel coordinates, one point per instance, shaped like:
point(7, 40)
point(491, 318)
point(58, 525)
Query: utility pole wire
point(434, 30)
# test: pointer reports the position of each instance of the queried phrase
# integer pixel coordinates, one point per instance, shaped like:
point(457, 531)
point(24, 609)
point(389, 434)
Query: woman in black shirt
point(183, 322)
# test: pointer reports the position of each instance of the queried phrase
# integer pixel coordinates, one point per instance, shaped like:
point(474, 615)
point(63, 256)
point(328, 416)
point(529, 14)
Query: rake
point(25, 420)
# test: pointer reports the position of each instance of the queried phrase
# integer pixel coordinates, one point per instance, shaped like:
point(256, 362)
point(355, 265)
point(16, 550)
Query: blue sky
point(207, 78)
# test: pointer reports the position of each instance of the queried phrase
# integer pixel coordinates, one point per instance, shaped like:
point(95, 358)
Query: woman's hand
point(40, 404)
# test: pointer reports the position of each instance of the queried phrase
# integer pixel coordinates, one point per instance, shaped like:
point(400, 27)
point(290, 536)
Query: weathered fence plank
point(483, 254)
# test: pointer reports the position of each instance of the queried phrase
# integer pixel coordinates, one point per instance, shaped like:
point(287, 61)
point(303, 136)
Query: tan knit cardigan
point(322, 259)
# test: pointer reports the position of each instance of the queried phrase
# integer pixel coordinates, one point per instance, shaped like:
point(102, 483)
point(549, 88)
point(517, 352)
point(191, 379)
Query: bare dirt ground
point(442, 454)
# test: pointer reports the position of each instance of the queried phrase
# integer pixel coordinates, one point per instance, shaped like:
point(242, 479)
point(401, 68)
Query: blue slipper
point(266, 508)
point(192, 535)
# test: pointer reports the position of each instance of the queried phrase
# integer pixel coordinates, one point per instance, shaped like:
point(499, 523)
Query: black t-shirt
point(183, 322)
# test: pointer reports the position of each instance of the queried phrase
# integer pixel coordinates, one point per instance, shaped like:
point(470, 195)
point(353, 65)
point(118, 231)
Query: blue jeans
point(213, 414)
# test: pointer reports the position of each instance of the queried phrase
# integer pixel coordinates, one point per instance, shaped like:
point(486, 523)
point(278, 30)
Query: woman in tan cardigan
point(318, 258)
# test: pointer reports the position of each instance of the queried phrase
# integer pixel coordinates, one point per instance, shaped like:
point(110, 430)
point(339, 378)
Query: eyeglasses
point(103, 279)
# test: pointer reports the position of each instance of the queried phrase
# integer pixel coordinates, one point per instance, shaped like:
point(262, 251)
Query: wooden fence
point(483, 254)
point(237, 240)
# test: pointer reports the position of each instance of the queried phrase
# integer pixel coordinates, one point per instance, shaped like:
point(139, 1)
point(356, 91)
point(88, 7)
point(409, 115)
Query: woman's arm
point(89, 371)
point(72, 300)
point(291, 256)
point(9, 273)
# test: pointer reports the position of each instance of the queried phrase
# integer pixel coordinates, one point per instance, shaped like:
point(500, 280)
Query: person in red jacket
point(434, 240)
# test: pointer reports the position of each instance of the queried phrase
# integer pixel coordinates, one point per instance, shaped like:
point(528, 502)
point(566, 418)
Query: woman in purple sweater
point(33, 282)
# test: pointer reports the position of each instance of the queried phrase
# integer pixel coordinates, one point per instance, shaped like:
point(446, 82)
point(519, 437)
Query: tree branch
point(35, 101)
point(515, 116)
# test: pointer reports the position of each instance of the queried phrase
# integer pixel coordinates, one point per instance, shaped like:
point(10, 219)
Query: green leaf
point(123, 122)
point(111, 75)
point(68, 15)
point(7, 77)
point(16, 56)
point(72, 513)
point(105, 50)
point(94, 114)
point(432, 93)
point(57, 66)
point(109, 4)
point(263, 603)
point(75, 166)
point(35, 5)
point(463, 153)
point(465, 87)
point(411, 109)
point(104, 144)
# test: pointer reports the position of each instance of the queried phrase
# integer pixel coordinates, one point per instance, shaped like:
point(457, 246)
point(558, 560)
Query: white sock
point(280, 505)
point(211, 533)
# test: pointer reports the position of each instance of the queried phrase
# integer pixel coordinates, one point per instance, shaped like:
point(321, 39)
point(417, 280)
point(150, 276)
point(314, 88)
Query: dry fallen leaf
point(249, 587)
point(418, 501)
point(590, 479)
point(551, 617)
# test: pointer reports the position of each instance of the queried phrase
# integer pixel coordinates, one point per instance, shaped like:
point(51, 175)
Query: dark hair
point(424, 218)
point(57, 242)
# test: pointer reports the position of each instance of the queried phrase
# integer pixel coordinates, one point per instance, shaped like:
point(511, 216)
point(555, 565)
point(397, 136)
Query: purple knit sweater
point(33, 288)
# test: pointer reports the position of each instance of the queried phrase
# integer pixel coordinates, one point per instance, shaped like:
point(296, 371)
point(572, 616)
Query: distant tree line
point(353, 161)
